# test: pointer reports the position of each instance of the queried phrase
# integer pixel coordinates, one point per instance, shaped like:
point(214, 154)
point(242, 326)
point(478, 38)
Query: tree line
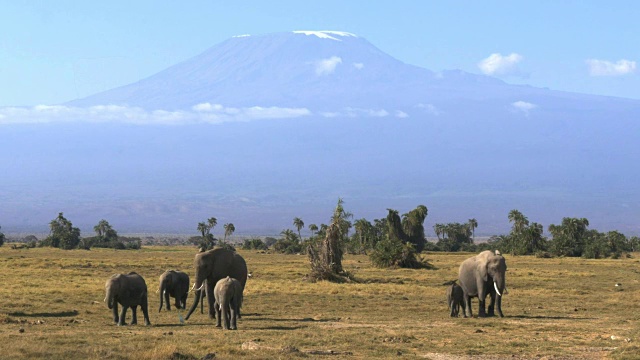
point(395, 240)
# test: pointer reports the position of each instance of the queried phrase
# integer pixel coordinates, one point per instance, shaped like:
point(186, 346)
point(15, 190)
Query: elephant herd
point(221, 272)
point(479, 276)
point(222, 275)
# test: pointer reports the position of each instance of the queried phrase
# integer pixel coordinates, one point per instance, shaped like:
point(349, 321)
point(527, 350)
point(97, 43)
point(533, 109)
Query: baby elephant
point(228, 296)
point(174, 283)
point(455, 299)
point(130, 291)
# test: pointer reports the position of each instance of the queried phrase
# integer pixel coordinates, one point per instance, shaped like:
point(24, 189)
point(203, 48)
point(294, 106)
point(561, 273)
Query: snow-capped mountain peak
point(326, 34)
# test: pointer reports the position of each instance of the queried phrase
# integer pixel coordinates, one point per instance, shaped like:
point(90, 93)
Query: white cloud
point(429, 108)
point(608, 68)
point(200, 113)
point(358, 66)
point(327, 66)
point(523, 106)
point(497, 64)
point(401, 114)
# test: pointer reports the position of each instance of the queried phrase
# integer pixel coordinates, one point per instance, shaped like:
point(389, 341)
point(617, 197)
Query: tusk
point(105, 300)
point(193, 288)
point(496, 287)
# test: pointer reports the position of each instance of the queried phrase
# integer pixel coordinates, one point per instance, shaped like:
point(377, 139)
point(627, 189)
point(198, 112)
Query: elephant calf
point(174, 283)
point(130, 291)
point(228, 296)
point(455, 299)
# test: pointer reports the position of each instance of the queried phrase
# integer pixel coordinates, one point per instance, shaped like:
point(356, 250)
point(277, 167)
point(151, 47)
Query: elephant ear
point(483, 269)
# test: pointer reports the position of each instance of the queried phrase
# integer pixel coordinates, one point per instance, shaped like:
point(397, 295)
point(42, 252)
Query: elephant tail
point(161, 290)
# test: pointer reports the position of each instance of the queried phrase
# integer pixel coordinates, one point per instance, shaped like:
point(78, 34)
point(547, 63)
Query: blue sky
point(52, 52)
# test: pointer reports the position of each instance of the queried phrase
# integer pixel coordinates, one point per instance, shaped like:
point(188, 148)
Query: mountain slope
point(376, 131)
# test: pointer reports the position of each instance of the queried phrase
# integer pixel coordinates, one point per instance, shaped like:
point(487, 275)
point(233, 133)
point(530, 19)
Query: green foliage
point(62, 235)
point(455, 236)
point(206, 241)
point(229, 229)
point(2, 237)
point(398, 246)
point(393, 253)
point(254, 244)
point(525, 238)
point(289, 243)
point(569, 237)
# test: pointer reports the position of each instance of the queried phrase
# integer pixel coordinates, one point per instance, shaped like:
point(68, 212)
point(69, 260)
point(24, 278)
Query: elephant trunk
point(499, 285)
point(195, 304)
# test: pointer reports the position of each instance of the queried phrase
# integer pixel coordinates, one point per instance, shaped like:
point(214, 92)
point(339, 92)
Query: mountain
point(260, 129)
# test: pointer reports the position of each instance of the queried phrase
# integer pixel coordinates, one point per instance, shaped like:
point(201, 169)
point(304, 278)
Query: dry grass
point(556, 308)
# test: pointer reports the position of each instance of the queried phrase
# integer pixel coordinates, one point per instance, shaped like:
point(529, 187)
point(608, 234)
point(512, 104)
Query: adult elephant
point(174, 283)
point(130, 291)
point(212, 266)
point(482, 275)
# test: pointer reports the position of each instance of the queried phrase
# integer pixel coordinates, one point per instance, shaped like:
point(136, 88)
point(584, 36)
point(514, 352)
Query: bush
point(393, 253)
point(287, 246)
point(254, 244)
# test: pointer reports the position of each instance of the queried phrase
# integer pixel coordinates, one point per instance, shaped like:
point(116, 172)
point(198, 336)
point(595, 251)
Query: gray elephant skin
point(130, 291)
point(482, 275)
point(175, 284)
point(455, 299)
point(212, 266)
point(228, 296)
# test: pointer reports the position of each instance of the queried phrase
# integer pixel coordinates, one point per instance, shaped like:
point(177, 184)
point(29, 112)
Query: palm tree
point(228, 230)
point(313, 228)
point(439, 229)
point(299, 224)
point(473, 224)
point(212, 222)
point(204, 229)
point(102, 227)
point(518, 219)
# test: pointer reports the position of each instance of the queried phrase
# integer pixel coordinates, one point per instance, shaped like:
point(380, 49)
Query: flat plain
point(51, 306)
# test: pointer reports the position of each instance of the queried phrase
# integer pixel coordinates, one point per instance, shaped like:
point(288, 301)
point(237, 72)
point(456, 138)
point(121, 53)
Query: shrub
point(393, 253)
point(254, 244)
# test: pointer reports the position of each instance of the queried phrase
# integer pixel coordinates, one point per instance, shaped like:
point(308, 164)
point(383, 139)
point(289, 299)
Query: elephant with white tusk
point(212, 266)
point(482, 275)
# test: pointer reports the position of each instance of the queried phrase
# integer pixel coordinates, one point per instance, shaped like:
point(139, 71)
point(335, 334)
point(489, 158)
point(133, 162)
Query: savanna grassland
point(556, 308)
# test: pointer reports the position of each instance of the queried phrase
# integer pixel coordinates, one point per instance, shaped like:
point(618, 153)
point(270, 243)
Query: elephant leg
point(481, 307)
point(115, 312)
point(202, 305)
point(233, 309)
point(184, 300)
point(218, 315)
point(468, 312)
point(166, 300)
point(145, 312)
point(123, 313)
point(452, 309)
point(134, 315)
point(210, 299)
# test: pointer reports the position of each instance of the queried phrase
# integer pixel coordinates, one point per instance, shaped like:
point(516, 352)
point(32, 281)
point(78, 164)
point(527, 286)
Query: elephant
point(482, 275)
point(455, 299)
point(212, 266)
point(228, 296)
point(174, 283)
point(130, 291)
